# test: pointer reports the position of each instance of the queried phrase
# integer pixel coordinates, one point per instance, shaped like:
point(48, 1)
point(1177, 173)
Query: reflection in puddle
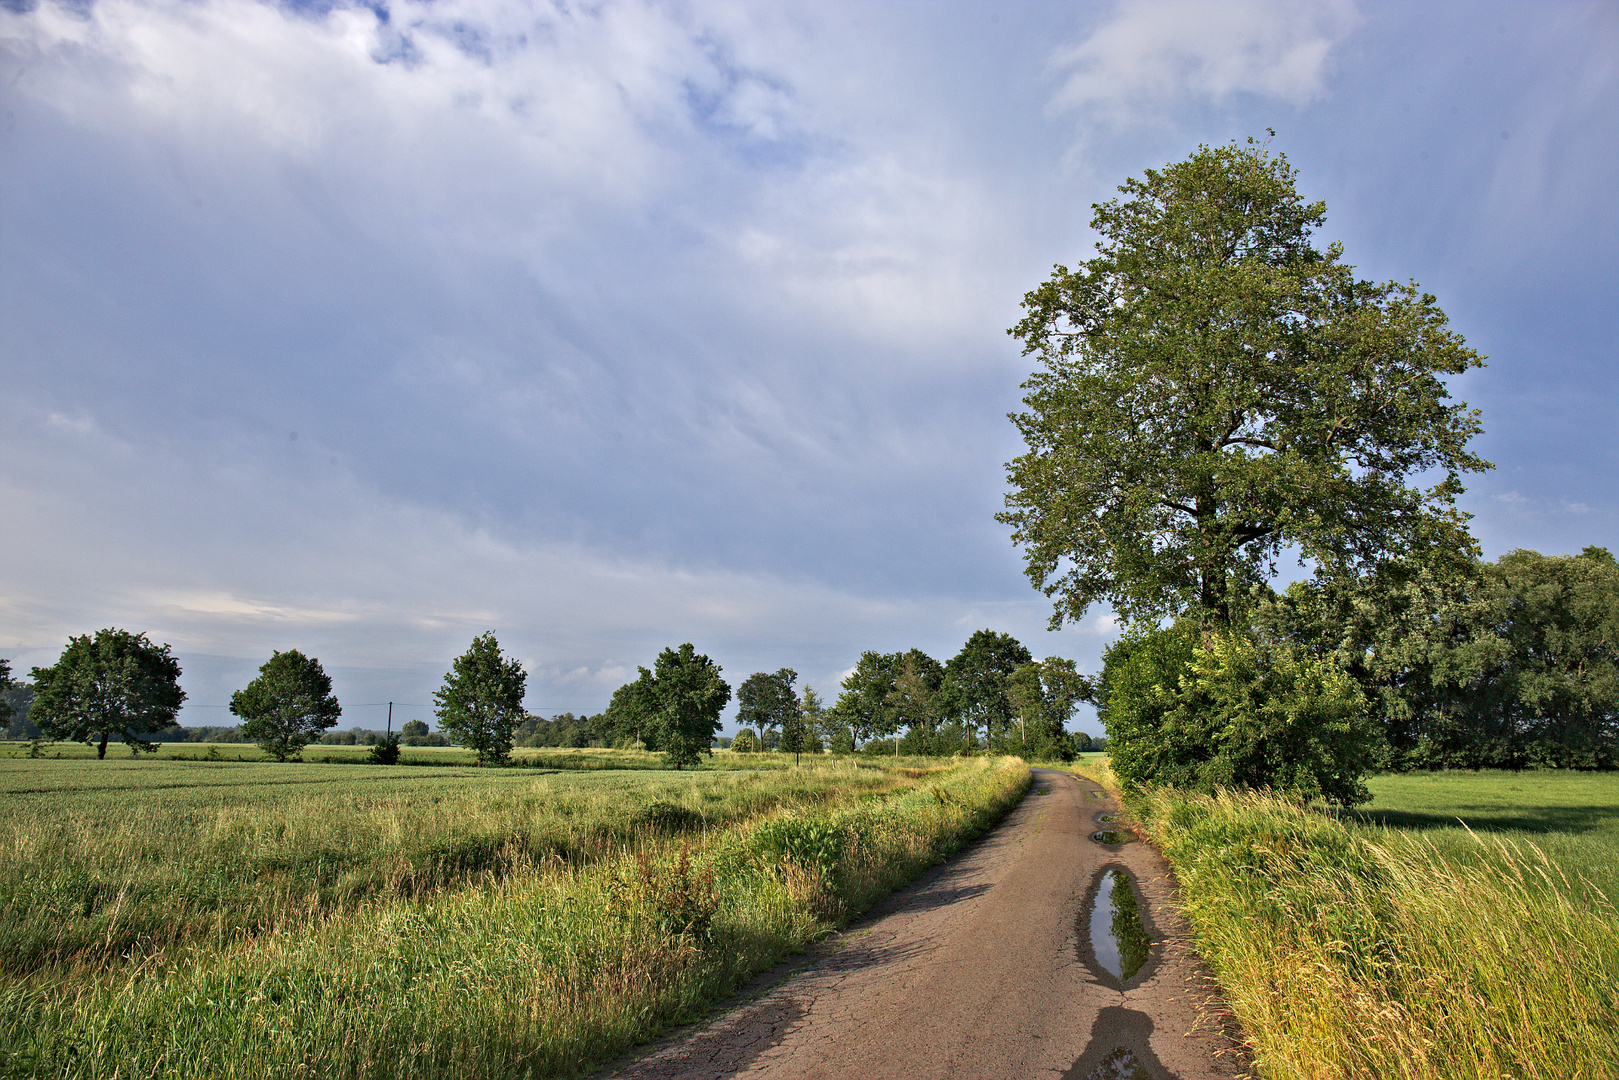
point(1112, 836)
point(1121, 1064)
point(1104, 818)
point(1118, 939)
point(1042, 791)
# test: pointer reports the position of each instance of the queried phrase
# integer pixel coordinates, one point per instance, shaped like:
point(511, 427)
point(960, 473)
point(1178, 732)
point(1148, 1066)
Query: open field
point(1392, 942)
point(162, 917)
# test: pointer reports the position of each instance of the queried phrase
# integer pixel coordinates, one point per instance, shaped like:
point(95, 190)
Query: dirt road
point(981, 969)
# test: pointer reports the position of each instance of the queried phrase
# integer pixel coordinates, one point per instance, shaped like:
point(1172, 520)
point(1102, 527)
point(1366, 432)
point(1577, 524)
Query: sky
point(364, 329)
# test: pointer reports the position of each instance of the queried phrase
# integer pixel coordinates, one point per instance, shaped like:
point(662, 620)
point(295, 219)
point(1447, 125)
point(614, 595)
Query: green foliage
point(746, 742)
point(385, 752)
point(288, 706)
point(413, 729)
point(1511, 665)
point(813, 842)
point(866, 702)
point(480, 704)
point(1215, 389)
point(631, 715)
point(767, 702)
point(117, 683)
point(1044, 695)
point(1239, 711)
point(689, 696)
point(976, 682)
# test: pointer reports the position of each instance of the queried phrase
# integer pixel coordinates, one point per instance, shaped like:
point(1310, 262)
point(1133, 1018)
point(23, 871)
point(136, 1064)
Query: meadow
point(247, 919)
point(1460, 926)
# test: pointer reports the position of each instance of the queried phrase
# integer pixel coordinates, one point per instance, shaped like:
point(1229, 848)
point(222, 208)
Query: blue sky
point(608, 326)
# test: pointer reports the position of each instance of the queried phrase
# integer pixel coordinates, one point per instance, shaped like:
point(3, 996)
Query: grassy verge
point(1368, 952)
point(589, 925)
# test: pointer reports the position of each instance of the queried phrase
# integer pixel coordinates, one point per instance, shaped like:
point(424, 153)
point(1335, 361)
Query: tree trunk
point(101, 751)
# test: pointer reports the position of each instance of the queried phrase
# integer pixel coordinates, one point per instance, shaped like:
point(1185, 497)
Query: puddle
point(1121, 1064)
point(1105, 818)
point(1118, 939)
point(1094, 794)
point(1042, 791)
point(1113, 836)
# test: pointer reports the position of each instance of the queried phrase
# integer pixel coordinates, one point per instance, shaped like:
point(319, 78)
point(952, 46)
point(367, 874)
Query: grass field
point(1393, 942)
point(199, 918)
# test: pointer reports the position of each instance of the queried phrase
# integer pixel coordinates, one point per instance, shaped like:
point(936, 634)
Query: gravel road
point(981, 969)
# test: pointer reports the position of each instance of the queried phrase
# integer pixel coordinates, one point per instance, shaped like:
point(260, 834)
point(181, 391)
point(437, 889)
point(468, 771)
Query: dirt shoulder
point(982, 968)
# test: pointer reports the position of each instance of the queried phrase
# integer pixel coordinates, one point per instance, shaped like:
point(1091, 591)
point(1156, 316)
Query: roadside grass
point(1351, 950)
point(424, 922)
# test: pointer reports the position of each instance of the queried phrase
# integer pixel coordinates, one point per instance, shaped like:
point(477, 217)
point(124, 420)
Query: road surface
point(982, 969)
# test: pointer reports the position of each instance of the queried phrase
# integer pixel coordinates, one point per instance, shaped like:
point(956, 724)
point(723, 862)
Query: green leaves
point(288, 706)
point(480, 704)
point(117, 683)
point(1214, 389)
point(689, 696)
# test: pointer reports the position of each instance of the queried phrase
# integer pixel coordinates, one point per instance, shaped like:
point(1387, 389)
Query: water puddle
point(1094, 794)
point(1121, 1064)
point(1105, 818)
point(1042, 791)
point(1113, 836)
point(1118, 938)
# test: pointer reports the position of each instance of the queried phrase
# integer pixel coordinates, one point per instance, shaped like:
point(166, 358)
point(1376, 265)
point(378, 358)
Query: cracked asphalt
point(981, 969)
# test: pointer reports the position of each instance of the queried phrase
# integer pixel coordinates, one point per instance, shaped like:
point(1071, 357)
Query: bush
point(385, 752)
point(746, 742)
point(1238, 711)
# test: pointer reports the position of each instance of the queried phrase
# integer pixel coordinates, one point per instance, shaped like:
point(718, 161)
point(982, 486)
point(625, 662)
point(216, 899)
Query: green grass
point(1573, 817)
point(179, 918)
point(1395, 943)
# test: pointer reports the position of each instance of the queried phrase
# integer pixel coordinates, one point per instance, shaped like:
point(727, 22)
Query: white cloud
point(1151, 58)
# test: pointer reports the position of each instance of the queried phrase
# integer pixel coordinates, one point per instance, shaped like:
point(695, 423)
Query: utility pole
point(390, 718)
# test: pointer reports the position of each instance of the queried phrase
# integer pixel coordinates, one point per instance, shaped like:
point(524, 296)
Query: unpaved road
point(981, 969)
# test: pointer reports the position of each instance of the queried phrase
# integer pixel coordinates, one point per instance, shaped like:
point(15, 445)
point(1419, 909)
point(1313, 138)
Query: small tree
point(818, 717)
point(1044, 696)
point(5, 689)
point(288, 706)
point(116, 683)
point(690, 696)
point(481, 702)
point(976, 681)
point(766, 701)
point(746, 742)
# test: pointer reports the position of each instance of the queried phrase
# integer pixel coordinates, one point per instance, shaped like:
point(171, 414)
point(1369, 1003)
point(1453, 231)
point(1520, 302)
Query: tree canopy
point(767, 700)
point(977, 678)
point(116, 683)
point(689, 695)
point(288, 706)
point(480, 704)
point(1215, 388)
point(1044, 695)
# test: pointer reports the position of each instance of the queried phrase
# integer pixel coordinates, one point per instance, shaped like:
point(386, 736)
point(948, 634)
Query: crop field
point(1393, 941)
point(219, 918)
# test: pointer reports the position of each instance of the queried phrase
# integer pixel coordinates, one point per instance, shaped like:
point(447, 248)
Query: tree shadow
point(1532, 819)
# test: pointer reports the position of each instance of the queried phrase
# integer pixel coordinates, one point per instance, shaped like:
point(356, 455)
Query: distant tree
point(288, 706)
point(866, 704)
point(1216, 391)
point(480, 704)
point(746, 742)
point(690, 696)
point(818, 717)
point(1044, 695)
point(5, 689)
point(766, 701)
point(116, 683)
point(976, 678)
point(798, 733)
point(20, 697)
point(914, 701)
point(631, 715)
point(413, 729)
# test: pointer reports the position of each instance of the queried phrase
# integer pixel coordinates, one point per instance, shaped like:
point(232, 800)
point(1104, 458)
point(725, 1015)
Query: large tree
point(1214, 389)
point(767, 700)
point(480, 704)
point(976, 677)
point(288, 706)
point(690, 695)
point(1044, 695)
point(116, 683)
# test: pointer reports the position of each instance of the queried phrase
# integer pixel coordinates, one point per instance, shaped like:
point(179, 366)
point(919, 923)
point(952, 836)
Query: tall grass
point(544, 965)
point(1353, 952)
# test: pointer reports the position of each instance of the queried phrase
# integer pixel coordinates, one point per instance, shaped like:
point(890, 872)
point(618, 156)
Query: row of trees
point(1215, 390)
